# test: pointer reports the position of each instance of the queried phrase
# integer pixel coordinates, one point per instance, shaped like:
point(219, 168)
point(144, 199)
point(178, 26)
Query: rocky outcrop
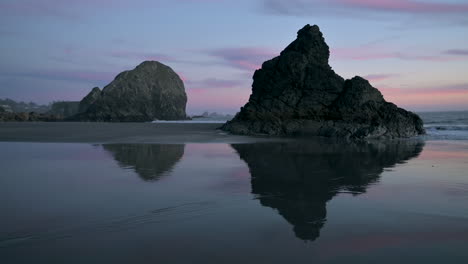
point(299, 93)
point(89, 100)
point(18, 107)
point(299, 178)
point(28, 117)
point(151, 91)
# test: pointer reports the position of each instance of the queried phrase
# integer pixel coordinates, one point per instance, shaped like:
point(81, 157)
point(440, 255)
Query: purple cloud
point(72, 9)
point(461, 52)
point(248, 59)
point(142, 56)
point(355, 7)
point(369, 53)
point(47, 8)
point(71, 75)
point(63, 9)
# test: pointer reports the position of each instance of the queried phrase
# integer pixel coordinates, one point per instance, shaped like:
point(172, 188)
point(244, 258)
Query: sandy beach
point(90, 132)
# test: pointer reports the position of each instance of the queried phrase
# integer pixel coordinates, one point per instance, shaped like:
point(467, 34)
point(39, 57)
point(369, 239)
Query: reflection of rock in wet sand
point(149, 161)
point(298, 178)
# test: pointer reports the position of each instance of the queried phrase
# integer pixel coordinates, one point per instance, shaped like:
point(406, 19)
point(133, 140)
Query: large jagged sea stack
point(299, 93)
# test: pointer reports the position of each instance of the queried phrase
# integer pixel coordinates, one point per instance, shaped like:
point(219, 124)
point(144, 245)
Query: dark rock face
point(150, 162)
point(151, 91)
point(89, 99)
point(299, 178)
point(298, 93)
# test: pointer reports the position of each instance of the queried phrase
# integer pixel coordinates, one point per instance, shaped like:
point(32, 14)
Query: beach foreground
point(186, 193)
point(265, 202)
point(96, 132)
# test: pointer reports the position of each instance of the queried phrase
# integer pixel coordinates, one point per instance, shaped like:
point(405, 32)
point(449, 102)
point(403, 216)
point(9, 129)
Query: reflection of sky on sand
point(446, 150)
point(382, 204)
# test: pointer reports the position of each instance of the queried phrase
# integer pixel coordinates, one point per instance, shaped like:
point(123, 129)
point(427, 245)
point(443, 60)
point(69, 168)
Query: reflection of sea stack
point(298, 178)
point(151, 91)
point(149, 161)
point(299, 93)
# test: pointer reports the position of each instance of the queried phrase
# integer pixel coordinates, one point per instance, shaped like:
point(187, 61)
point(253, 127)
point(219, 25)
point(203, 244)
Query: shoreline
point(102, 132)
point(152, 133)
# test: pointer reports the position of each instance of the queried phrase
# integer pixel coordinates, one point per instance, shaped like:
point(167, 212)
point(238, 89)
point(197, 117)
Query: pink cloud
point(406, 6)
point(226, 100)
point(443, 97)
point(378, 77)
point(248, 59)
point(448, 89)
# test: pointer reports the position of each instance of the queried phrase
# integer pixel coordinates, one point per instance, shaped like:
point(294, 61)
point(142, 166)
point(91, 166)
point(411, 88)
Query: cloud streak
point(459, 52)
point(446, 96)
point(137, 55)
point(63, 75)
point(368, 53)
point(50, 8)
point(247, 59)
point(213, 83)
point(73, 9)
point(366, 8)
point(405, 6)
point(378, 77)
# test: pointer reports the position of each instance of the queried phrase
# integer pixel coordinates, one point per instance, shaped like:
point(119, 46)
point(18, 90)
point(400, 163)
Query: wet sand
point(88, 132)
point(277, 202)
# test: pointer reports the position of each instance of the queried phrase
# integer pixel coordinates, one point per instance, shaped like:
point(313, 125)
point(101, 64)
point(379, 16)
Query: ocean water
point(281, 202)
point(446, 125)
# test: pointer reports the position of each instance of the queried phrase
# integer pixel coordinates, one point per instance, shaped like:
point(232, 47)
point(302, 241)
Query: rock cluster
point(151, 91)
point(299, 93)
point(27, 117)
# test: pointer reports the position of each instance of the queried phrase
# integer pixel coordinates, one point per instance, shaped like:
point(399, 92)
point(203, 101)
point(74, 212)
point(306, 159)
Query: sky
point(414, 51)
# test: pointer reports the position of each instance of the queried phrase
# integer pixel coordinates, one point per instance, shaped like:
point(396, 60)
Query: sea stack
point(150, 91)
point(89, 100)
point(298, 93)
